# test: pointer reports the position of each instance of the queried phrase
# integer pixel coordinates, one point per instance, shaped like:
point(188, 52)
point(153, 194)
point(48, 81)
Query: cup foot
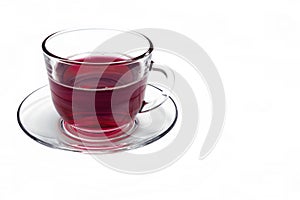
point(97, 135)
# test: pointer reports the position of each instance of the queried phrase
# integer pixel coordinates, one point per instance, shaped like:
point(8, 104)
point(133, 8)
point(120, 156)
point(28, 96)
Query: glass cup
point(98, 80)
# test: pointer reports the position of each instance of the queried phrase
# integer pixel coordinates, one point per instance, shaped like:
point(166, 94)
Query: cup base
point(97, 135)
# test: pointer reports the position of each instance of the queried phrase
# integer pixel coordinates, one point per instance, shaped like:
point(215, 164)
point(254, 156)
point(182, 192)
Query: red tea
point(90, 96)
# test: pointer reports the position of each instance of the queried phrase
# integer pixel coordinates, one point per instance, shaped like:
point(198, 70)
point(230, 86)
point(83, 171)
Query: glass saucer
point(39, 120)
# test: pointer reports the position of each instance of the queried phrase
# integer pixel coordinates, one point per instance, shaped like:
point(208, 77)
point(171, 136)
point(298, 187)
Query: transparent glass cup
point(98, 80)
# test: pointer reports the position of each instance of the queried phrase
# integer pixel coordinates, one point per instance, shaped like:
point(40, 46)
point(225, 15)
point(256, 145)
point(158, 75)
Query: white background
point(255, 46)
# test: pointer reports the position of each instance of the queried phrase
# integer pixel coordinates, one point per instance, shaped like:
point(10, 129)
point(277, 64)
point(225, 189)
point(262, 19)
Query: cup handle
point(162, 78)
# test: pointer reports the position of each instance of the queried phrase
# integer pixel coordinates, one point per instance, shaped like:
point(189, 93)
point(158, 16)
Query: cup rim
point(66, 60)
